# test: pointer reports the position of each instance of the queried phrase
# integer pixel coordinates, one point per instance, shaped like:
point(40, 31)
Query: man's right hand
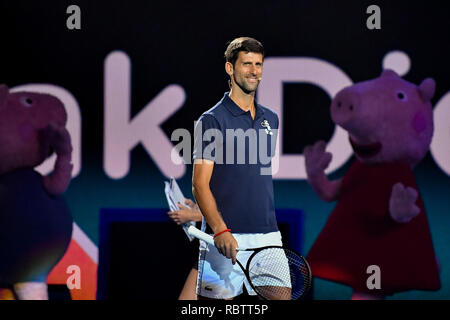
point(201, 176)
point(226, 244)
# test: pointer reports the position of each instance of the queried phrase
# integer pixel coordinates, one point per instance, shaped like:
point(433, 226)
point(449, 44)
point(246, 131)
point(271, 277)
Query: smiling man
point(235, 197)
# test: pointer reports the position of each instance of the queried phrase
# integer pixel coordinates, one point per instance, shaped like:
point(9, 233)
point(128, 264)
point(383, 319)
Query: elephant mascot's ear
point(3, 94)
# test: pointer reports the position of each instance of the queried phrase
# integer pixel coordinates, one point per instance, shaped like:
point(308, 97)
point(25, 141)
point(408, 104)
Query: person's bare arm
point(201, 176)
point(186, 213)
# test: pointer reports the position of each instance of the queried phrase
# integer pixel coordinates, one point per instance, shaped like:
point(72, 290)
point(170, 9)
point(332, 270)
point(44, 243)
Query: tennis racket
point(274, 272)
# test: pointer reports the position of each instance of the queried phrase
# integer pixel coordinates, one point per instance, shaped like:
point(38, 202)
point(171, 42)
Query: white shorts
point(218, 278)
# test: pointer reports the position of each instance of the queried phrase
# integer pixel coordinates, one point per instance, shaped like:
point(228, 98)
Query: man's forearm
point(208, 208)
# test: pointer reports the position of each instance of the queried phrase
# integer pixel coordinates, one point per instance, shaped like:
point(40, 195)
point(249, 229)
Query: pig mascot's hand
point(402, 203)
point(316, 160)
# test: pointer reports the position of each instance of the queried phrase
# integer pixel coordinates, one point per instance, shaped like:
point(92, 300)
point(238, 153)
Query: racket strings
point(279, 274)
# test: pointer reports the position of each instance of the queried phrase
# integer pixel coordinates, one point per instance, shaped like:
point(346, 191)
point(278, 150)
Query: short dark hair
point(242, 44)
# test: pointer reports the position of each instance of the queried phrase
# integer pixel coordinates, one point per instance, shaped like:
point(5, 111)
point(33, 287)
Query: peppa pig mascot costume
point(379, 220)
point(35, 222)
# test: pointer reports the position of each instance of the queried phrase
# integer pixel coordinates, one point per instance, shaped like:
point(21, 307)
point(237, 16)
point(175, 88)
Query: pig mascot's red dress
point(35, 222)
point(379, 220)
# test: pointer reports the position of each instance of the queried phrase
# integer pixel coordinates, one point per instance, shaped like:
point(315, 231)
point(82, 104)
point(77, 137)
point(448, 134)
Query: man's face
point(247, 71)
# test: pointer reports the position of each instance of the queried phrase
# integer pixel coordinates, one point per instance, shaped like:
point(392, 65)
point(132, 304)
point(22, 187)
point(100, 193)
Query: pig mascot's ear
point(427, 88)
point(389, 73)
point(3, 94)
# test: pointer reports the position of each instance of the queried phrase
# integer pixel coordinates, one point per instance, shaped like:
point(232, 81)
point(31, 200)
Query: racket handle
point(193, 231)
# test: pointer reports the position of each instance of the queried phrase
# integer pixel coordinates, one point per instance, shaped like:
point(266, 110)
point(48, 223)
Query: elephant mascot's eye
point(401, 96)
point(27, 101)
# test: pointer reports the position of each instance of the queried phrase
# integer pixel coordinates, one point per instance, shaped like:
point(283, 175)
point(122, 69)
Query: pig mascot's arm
point(402, 205)
point(316, 161)
point(58, 139)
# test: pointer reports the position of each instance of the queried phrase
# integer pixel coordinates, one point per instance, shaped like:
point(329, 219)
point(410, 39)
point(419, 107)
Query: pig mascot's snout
point(345, 107)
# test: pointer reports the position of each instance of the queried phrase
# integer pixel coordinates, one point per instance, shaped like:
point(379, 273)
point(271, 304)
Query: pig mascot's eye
point(401, 96)
point(26, 101)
